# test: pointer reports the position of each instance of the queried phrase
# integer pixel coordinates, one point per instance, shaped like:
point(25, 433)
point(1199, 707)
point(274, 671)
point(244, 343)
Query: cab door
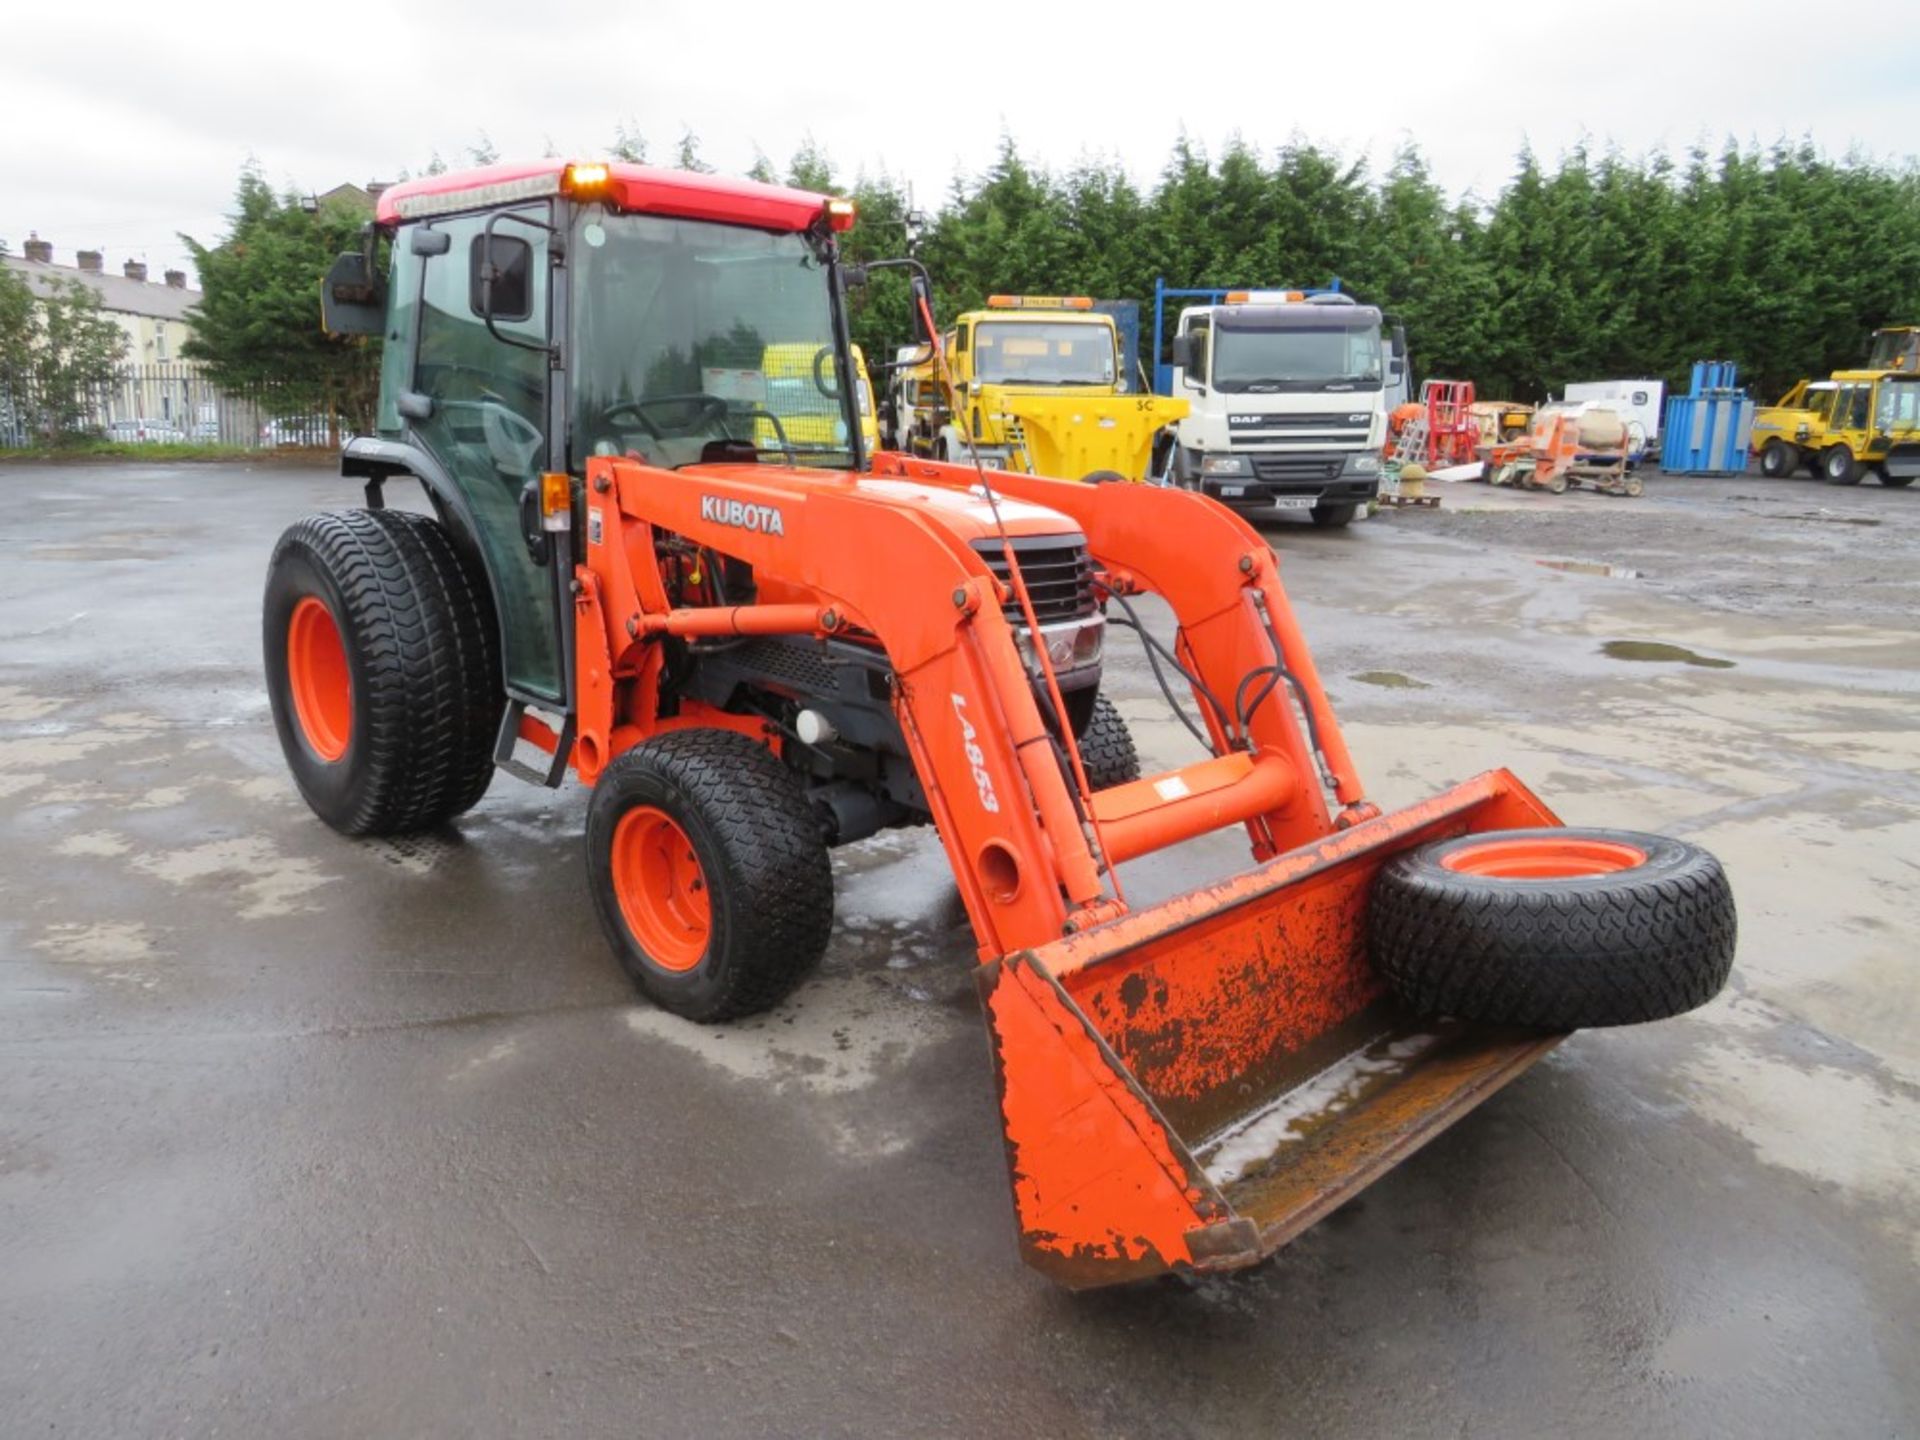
point(482, 370)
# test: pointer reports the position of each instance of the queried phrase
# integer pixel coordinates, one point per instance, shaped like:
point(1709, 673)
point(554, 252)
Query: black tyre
point(709, 873)
point(1892, 481)
point(1778, 459)
point(1106, 748)
point(1555, 929)
point(1839, 467)
point(1334, 517)
point(383, 669)
point(1103, 477)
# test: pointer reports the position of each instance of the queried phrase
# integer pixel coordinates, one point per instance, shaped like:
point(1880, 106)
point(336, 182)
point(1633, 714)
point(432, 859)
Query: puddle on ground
point(1390, 680)
point(1591, 567)
point(1660, 652)
point(1830, 517)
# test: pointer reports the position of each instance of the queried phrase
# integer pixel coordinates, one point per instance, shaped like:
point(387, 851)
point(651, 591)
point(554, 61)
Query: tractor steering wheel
point(709, 409)
point(820, 357)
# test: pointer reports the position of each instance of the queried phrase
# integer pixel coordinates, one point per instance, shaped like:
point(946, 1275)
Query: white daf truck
point(1289, 395)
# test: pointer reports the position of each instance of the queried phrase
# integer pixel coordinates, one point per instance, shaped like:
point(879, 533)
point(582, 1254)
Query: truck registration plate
point(1293, 502)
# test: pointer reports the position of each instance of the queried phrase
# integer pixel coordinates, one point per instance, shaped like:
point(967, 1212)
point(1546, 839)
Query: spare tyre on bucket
point(1556, 929)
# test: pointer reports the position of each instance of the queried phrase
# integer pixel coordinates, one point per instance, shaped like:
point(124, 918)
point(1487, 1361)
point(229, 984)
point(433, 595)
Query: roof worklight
point(840, 215)
point(1039, 302)
point(578, 181)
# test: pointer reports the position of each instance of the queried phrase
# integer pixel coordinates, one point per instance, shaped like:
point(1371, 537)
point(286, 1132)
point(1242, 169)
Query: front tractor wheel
point(1778, 460)
point(383, 670)
point(1107, 754)
point(709, 873)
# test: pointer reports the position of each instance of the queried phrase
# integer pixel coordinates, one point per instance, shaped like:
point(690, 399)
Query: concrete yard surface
point(303, 1136)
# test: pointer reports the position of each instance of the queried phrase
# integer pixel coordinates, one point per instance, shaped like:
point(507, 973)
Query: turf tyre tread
point(1107, 751)
point(422, 649)
point(1564, 954)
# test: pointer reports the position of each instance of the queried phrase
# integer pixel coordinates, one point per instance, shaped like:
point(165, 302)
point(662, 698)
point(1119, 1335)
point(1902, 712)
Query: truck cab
point(1033, 384)
point(1843, 428)
point(1288, 402)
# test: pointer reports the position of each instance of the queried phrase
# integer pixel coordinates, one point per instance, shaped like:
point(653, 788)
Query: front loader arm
point(1223, 584)
point(983, 754)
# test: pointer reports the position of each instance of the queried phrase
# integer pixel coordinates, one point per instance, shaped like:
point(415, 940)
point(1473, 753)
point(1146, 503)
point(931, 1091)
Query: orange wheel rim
point(661, 888)
point(317, 674)
point(1531, 857)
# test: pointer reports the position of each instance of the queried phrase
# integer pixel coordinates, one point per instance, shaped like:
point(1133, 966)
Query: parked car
point(309, 431)
point(146, 432)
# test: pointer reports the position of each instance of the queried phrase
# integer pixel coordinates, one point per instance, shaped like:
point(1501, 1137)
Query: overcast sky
point(123, 124)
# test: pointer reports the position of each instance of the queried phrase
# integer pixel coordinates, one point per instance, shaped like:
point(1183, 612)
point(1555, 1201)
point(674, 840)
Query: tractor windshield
point(688, 332)
point(1050, 352)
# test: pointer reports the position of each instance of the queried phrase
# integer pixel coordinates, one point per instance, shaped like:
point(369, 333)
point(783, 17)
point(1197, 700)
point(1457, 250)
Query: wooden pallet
point(1424, 502)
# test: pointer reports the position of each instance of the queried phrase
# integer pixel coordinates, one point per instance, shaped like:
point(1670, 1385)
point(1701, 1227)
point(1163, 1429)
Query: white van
point(1639, 403)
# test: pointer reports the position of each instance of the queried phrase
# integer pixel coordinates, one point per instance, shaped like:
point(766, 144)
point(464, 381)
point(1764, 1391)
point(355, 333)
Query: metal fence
point(165, 404)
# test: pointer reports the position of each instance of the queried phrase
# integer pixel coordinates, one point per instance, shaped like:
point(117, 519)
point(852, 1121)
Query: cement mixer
point(1570, 445)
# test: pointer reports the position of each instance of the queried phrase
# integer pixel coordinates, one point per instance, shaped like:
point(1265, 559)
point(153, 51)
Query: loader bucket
point(1193, 1084)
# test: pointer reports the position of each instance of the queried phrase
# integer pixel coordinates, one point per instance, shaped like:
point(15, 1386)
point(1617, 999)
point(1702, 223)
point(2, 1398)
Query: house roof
point(116, 292)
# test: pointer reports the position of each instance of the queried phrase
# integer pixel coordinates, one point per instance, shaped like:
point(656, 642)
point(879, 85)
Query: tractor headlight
point(1224, 465)
point(1069, 646)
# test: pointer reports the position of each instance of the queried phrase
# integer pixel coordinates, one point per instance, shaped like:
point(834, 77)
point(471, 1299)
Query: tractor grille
point(1296, 467)
point(1058, 572)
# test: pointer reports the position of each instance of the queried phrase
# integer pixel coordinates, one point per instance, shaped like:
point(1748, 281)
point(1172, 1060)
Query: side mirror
point(430, 242)
point(353, 299)
point(500, 277)
point(1182, 352)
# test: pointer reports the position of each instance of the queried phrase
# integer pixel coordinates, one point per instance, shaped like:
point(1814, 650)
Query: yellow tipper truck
point(1032, 384)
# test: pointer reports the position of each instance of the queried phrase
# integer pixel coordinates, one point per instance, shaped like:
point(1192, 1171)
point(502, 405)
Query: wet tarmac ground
point(310, 1137)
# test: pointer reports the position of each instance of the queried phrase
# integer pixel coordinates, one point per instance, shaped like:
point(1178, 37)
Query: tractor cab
point(536, 316)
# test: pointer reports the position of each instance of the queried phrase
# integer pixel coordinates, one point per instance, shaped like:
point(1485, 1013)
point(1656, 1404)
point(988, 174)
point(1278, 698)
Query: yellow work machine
point(1034, 386)
point(799, 414)
point(1842, 428)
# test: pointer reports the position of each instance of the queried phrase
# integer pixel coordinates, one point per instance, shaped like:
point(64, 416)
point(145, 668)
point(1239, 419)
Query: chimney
point(177, 279)
point(91, 261)
point(40, 250)
point(135, 269)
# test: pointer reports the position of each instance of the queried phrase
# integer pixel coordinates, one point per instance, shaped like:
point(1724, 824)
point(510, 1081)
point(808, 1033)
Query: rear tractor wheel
point(1839, 467)
point(383, 670)
point(709, 873)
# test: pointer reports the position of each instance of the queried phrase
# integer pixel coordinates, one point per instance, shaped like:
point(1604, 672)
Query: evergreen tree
point(258, 321)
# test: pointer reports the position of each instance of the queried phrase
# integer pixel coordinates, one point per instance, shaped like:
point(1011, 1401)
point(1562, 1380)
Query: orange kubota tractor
point(668, 567)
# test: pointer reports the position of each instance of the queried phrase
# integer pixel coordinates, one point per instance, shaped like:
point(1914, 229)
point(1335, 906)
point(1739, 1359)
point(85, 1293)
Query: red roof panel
point(637, 188)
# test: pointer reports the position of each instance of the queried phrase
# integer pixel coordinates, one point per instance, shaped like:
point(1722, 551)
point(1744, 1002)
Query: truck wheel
point(383, 670)
point(1839, 468)
point(1778, 459)
point(1103, 477)
point(1106, 748)
point(1892, 481)
point(1555, 929)
point(1333, 517)
point(709, 873)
